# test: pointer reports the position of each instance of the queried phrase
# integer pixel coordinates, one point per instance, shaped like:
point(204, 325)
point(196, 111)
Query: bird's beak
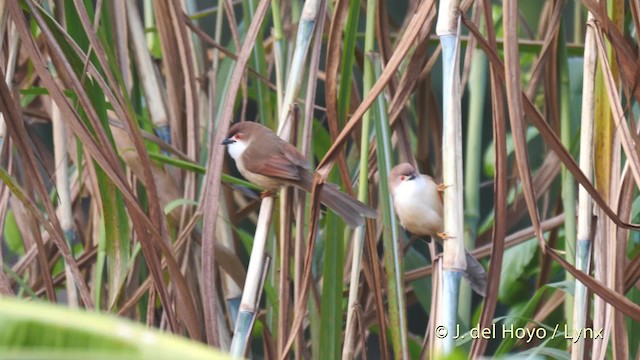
point(411, 177)
point(228, 141)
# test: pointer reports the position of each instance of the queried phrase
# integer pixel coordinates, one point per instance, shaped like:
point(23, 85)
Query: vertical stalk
point(150, 82)
point(296, 70)
point(278, 53)
point(390, 235)
point(583, 248)
point(64, 194)
point(568, 181)
point(477, 83)
point(363, 185)
point(209, 126)
point(454, 262)
point(149, 21)
point(250, 296)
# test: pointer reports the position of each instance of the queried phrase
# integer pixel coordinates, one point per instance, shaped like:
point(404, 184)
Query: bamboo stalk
point(393, 256)
point(278, 52)
point(248, 304)
point(568, 181)
point(211, 192)
point(64, 194)
point(305, 148)
point(296, 70)
point(585, 207)
point(363, 185)
point(454, 262)
point(247, 311)
point(150, 83)
point(473, 162)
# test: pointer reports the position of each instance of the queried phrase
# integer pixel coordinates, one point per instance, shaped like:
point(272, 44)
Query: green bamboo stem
point(347, 61)
point(149, 21)
point(363, 186)
point(454, 261)
point(477, 83)
point(278, 53)
point(393, 260)
point(301, 229)
point(568, 181)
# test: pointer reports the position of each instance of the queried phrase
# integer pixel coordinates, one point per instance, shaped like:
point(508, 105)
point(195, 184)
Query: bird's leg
point(442, 186)
point(443, 235)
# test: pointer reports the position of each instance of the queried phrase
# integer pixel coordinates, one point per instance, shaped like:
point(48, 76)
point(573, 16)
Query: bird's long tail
point(348, 208)
point(475, 275)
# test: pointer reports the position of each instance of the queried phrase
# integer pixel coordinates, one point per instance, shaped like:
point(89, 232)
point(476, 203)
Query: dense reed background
point(117, 196)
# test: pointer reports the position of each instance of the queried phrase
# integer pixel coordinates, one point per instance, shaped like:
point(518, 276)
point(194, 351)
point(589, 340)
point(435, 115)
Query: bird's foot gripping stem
point(444, 236)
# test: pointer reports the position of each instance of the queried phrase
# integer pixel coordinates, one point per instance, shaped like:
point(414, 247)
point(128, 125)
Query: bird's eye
point(402, 177)
point(237, 136)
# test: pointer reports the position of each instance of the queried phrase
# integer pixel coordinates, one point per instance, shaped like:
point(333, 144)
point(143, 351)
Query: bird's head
point(400, 175)
point(240, 136)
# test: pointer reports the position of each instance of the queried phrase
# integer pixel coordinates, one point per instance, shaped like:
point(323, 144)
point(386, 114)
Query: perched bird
point(266, 160)
point(418, 206)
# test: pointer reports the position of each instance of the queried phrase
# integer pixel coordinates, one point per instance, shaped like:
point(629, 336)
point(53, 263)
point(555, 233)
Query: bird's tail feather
point(348, 208)
point(351, 210)
point(475, 275)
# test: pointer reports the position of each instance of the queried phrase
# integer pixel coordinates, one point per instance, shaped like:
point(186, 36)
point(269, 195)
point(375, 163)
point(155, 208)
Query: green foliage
point(35, 330)
point(514, 278)
point(12, 235)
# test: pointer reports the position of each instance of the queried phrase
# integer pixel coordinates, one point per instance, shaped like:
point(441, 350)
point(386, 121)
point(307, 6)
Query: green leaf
point(514, 264)
point(34, 330)
point(178, 202)
point(489, 156)
point(12, 235)
point(413, 259)
point(332, 274)
point(520, 314)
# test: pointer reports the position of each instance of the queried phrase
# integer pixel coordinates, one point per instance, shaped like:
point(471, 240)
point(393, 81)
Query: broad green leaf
point(12, 235)
point(332, 286)
point(35, 330)
point(489, 156)
point(413, 259)
point(514, 263)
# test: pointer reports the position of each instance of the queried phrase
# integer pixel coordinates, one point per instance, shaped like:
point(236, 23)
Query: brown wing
point(276, 158)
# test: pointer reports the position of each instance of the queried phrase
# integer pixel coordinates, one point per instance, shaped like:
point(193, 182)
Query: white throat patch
point(236, 149)
point(408, 191)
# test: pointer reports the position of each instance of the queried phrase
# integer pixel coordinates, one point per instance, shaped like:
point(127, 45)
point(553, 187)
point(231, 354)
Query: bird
point(418, 205)
point(266, 160)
